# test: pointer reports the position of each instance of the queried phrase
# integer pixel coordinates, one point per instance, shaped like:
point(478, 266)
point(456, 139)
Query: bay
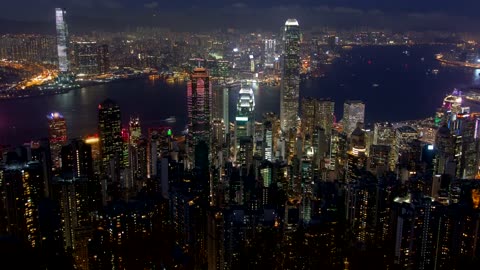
point(395, 82)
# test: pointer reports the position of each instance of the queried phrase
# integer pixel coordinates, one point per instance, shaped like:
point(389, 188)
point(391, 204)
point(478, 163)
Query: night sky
point(415, 14)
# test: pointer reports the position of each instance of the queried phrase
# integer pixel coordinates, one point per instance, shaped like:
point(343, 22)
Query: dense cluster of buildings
point(100, 57)
point(296, 191)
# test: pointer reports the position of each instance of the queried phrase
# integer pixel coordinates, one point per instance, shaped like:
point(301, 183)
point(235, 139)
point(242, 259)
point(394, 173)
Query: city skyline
point(292, 149)
point(427, 15)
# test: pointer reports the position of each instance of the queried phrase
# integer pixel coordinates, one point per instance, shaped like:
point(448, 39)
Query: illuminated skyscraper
point(268, 139)
point(244, 120)
point(103, 59)
point(199, 92)
point(383, 134)
point(445, 151)
point(62, 39)
point(226, 111)
point(325, 115)
point(74, 201)
point(90, 58)
point(94, 142)
point(317, 113)
point(353, 113)
point(290, 75)
point(269, 57)
point(77, 160)
point(57, 128)
point(159, 145)
point(217, 102)
point(85, 58)
point(110, 133)
point(22, 187)
point(135, 129)
point(309, 120)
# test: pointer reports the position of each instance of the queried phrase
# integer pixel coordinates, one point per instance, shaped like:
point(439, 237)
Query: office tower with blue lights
point(290, 88)
point(62, 40)
point(57, 128)
point(199, 95)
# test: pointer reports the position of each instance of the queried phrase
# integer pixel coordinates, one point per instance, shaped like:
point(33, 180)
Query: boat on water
point(171, 120)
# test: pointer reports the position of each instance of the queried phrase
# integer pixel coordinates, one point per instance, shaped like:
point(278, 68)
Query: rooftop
point(291, 22)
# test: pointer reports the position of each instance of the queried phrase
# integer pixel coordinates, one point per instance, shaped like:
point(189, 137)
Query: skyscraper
point(269, 57)
point(110, 133)
point(317, 113)
point(90, 58)
point(226, 111)
point(103, 59)
point(290, 75)
point(325, 115)
point(85, 57)
point(245, 117)
point(353, 113)
point(77, 160)
point(22, 187)
point(217, 102)
point(57, 128)
point(62, 40)
point(309, 120)
point(74, 201)
point(135, 129)
point(199, 92)
point(244, 120)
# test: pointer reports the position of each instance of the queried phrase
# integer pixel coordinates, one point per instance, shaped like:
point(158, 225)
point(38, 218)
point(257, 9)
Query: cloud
point(151, 5)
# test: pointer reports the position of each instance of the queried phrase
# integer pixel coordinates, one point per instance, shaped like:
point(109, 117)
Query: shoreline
point(33, 93)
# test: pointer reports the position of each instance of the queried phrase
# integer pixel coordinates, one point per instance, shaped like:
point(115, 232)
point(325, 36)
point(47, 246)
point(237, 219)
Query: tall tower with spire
point(289, 98)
